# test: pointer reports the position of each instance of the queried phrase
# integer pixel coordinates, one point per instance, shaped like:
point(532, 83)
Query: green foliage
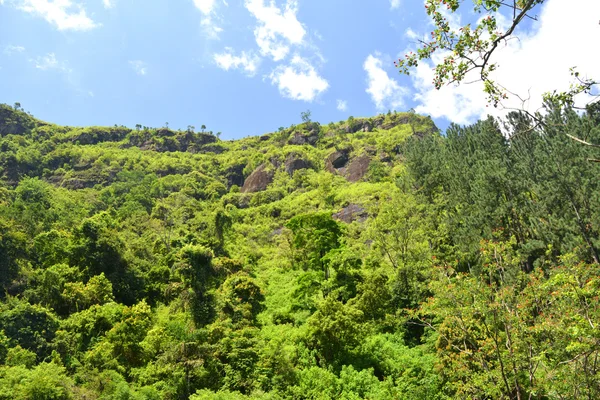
point(19, 356)
point(500, 338)
point(47, 381)
point(336, 328)
point(469, 52)
point(136, 264)
point(33, 327)
point(470, 47)
point(314, 235)
point(12, 249)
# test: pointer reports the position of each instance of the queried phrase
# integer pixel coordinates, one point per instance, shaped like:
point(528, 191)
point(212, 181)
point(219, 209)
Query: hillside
point(372, 258)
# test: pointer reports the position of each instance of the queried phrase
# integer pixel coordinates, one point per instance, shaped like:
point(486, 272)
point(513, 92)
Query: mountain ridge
point(165, 140)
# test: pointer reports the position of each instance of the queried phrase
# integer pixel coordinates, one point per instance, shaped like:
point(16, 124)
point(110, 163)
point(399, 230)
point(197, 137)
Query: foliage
point(459, 51)
point(135, 264)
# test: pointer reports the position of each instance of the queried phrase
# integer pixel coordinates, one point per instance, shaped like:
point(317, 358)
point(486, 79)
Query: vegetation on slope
point(373, 258)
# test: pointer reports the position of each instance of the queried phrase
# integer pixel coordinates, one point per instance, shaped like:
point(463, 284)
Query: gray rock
point(258, 180)
point(357, 168)
point(300, 138)
point(336, 160)
point(294, 162)
point(351, 213)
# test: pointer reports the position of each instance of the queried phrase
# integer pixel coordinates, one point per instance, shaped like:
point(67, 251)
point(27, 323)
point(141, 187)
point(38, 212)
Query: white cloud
point(395, 3)
point(536, 63)
point(11, 49)
point(385, 91)
point(342, 105)
point(299, 80)
point(277, 28)
point(227, 60)
point(139, 67)
point(49, 62)
point(64, 14)
point(108, 3)
point(211, 28)
point(205, 6)
point(411, 34)
point(208, 23)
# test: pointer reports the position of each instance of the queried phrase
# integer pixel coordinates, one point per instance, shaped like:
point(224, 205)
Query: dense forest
point(374, 258)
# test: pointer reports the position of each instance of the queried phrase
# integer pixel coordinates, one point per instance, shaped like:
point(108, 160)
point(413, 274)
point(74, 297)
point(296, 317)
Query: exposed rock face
point(94, 135)
point(337, 160)
point(299, 138)
point(354, 170)
point(275, 162)
point(165, 132)
point(258, 180)
point(167, 140)
point(357, 168)
point(294, 162)
point(76, 184)
point(351, 213)
point(359, 125)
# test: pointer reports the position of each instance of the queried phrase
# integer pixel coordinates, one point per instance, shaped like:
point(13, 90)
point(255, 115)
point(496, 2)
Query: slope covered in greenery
point(373, 258)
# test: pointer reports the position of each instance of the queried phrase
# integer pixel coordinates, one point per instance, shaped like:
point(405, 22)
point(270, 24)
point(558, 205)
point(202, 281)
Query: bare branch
point(582, 141)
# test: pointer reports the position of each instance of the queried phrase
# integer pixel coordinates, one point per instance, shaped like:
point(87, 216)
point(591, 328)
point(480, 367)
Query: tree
point(194, 276)
point(34, 204)
point(314, 236)
point(335, 328)
point(122, 343)
point(33, 327)
point(470, 48)
point(397, 231)
point(305, 115)
point(519, 337)
point(13, 246)
point(203, 127)
point(47, 381)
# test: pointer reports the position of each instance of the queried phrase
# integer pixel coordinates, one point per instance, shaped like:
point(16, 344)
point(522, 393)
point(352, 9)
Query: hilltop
point(69, 157)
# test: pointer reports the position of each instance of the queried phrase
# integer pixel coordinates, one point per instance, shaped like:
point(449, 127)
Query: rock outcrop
point(357, 168)
point(336, 160)
point(167, 140)
point(353, 170)
point(258, 180)
point(351, 213)
point(294, 162)
point(300, 138)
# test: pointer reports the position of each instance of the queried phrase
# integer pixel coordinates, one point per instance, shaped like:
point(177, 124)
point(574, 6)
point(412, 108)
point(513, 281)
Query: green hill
point(372, 258)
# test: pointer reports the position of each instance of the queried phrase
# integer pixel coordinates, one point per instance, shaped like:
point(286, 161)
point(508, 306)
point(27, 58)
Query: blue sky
point(243, 67)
